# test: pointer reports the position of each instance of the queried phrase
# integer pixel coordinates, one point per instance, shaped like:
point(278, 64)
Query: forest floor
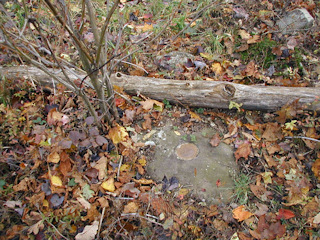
point(62, 177)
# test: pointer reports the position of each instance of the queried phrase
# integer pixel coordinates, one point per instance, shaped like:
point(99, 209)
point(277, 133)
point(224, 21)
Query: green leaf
point(87, 192)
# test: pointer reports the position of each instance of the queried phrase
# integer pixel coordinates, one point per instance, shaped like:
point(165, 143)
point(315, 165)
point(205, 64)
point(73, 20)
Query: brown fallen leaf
point(215, 140)
point(243, 150)
point(241, 214)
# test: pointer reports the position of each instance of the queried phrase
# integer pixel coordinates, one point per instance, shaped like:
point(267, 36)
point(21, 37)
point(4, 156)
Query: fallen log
point(211, 94)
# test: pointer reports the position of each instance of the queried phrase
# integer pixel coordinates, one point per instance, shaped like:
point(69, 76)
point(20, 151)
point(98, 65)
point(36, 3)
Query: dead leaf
point(118, 134)
point(147, 123)
point(101, 166)
point(285, 214)
point(316, 168)
point(243, 150)
point(89, 232)
point(215, 140)
point(149, 103)
point(260, 192)
point(22, 186)
point(84, 202)
point(35, 228)
point(263, 209)
point(109, 185)
point(253, 39)
point(217, 68)
point(56, 181)
point(241, 214)
point(131, 207)
point(272, 132)
point(53, 157)
point(244, 34)
point(143, 181)
point(65, 164)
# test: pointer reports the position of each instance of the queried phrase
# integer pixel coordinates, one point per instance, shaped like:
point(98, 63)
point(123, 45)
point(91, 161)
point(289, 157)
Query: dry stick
point(74, 37)
point(139, 216)
point(307, 138)
point(197, 15)
point(120, 163)
point(104, 28)
point(53, 226)
point(100, 222)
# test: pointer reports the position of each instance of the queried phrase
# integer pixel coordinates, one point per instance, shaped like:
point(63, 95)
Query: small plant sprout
point(235, 105)
point(291, 125)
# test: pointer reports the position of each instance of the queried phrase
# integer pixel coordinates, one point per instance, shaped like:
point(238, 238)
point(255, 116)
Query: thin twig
point(120, 163)
point(307, 138)
point(100, 222)
point(54, 227)
point(139, 216)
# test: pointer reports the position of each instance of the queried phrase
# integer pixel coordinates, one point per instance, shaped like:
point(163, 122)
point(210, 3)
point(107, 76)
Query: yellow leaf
point(45, 203)
point(147, 27)
point(118, 134)
point(207, 56)
point(194, 115)
point(142, 162)
point(53, 157)
point(183, 191)
point(144, 181)
point(217, 68)
point(267, 177)
point(109, 185)
point(56, 181)
point(177, 133)
point(124, 167)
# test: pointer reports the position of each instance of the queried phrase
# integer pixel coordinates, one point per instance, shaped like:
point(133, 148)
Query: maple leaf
point(241, 214)
point(260, 192)
point(272, 132)
point(243, 150)
point(150, 103)
point(118, 134)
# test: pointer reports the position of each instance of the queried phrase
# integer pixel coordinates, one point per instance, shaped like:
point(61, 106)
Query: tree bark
point(211, 94)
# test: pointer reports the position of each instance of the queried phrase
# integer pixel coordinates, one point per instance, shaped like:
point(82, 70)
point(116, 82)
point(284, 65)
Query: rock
point(173, 60)
point(208, 171)
point(297, 19)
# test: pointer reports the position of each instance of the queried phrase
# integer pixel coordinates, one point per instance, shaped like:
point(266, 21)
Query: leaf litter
point(59, 171)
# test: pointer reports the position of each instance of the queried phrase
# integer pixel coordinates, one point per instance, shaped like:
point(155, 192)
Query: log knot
point(223, 90)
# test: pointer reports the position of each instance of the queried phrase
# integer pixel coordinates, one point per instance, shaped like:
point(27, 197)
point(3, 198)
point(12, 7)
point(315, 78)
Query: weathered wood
point(211, 94)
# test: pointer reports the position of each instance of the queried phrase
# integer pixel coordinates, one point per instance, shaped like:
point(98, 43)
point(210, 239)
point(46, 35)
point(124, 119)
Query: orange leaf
point(241, 214)
point(217, 68)
point(316, 168)
point(285, 214)
point(118, 134)
point(53, 157)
